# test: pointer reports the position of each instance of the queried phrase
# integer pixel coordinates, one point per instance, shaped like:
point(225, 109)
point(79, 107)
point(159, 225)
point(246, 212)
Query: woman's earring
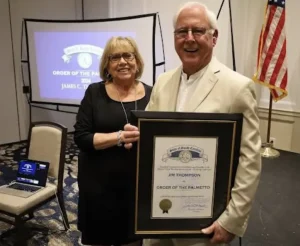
point(136, 72)
point(108, 76)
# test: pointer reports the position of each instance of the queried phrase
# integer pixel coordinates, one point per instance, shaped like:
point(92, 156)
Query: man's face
point(194, 49)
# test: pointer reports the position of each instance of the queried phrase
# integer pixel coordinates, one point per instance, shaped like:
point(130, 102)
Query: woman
point(105, 168)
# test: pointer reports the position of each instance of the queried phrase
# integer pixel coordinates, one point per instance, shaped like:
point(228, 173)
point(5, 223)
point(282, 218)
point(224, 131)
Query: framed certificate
point(186, 165)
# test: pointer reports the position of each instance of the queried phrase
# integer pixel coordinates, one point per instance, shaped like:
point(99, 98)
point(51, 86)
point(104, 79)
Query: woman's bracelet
point(119, 143)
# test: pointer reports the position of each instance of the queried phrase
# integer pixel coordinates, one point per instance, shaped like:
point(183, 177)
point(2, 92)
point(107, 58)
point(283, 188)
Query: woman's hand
point(129, 135)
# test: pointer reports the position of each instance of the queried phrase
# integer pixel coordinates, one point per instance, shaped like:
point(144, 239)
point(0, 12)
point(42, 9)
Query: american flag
point(271, 61)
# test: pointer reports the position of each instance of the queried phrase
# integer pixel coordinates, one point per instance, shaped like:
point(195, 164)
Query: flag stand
point(267, 149)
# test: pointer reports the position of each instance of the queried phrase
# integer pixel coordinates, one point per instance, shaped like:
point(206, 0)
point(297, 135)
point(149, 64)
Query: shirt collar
point(194, 76)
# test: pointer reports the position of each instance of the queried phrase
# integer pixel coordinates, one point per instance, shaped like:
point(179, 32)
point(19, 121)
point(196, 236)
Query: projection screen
point(64, 56)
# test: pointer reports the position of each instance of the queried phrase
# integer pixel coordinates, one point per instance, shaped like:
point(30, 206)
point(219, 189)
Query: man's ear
point(215, 37)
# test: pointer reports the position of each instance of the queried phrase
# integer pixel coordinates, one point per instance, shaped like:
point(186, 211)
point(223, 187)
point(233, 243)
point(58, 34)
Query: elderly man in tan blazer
point(203, 84)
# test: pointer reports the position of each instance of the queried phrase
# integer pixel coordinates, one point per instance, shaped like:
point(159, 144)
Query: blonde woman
point(105, 168)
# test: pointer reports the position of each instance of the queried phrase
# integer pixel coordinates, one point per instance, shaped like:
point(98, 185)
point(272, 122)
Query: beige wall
point(9, 128)
point(285, 128)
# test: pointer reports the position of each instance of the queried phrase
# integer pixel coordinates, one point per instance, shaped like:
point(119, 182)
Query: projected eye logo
point(84, 57)
point(185, 154)
point(27, 168)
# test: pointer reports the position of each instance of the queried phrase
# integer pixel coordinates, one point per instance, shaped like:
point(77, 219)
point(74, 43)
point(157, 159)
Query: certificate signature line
point(194, 206)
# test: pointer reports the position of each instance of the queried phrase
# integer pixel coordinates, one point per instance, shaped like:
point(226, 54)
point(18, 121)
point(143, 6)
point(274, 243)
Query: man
point(203, 84)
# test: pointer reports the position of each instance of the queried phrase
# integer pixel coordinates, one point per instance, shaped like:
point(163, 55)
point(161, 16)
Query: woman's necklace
point(135, 103)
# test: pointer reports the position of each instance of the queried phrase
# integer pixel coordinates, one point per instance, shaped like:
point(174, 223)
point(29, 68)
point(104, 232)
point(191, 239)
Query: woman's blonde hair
point(115, 43)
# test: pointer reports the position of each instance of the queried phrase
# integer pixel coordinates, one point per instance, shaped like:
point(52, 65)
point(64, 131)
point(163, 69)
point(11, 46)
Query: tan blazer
point(221, 90)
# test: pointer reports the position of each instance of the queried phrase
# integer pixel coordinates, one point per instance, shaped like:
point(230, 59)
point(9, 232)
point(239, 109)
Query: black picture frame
point(227, 128)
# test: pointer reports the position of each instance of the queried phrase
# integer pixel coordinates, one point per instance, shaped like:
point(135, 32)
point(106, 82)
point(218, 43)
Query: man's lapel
point(205, 86)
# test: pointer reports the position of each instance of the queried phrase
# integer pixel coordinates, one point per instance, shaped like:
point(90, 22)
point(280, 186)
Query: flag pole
point(268, 74)
point(267, 149)
point(269, 118)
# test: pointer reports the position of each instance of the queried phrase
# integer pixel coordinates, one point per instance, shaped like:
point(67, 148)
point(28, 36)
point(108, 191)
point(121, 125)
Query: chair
point(46, 142)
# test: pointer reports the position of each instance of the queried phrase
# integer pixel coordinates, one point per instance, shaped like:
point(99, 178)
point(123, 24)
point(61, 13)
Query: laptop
point(31, 178)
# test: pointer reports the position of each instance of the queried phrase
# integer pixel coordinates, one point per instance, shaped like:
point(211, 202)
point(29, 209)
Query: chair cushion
point(17, 205)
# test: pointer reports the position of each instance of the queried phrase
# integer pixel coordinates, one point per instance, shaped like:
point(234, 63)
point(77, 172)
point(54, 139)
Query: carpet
point(48, 217)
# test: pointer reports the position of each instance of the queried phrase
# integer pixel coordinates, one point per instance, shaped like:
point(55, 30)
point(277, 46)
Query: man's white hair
point(212, 19)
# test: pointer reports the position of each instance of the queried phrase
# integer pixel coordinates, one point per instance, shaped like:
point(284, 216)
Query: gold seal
point(165, 205)
point(185, 156)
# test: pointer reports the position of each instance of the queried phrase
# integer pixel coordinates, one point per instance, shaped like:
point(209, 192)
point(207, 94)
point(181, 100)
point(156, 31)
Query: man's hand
point(220, 235)
point(129, 135)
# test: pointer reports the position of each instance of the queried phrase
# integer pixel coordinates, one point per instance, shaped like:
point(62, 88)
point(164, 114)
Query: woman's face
point(122, 65)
